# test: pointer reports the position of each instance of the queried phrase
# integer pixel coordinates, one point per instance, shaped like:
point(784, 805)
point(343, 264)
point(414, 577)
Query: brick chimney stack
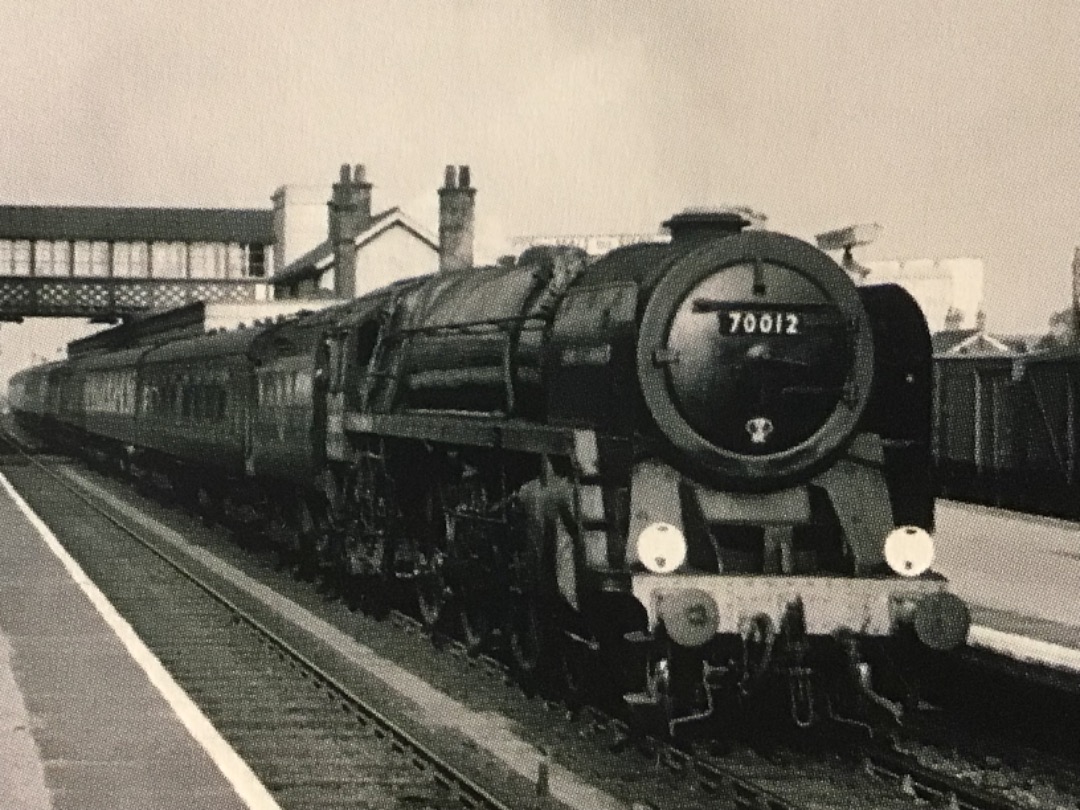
point(457, 212)
point(349, 213)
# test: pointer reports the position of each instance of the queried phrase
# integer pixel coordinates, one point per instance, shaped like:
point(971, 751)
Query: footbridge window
point(52, 258)
point(20, 258)
point(131, 260)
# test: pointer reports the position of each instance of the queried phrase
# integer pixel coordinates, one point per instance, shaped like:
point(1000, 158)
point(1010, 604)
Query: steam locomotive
point(686, 472)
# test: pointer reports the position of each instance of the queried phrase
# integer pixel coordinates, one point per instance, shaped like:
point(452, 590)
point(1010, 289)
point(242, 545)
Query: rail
point(468, 792)
point(707, 770)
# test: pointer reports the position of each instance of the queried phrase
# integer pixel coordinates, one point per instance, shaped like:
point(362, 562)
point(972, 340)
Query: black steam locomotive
point(700, 468)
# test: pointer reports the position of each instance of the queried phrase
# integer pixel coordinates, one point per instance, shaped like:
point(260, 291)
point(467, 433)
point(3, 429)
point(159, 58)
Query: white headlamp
point(661, 548)
point(909, 551)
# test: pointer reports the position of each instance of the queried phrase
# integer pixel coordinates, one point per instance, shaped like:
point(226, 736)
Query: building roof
point(957, 342)
point(949, 338)
point(85, 223)
point(315, 262)
point(312, 263)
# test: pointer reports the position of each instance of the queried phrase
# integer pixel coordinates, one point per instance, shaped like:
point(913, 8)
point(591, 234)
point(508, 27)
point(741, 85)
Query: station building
point(331, 244)
point(327, 246)
point(315, 243)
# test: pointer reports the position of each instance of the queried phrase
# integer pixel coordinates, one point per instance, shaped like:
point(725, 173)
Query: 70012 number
point(739, 322)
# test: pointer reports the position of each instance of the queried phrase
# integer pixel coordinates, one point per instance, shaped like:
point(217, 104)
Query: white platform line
point(243, 780)
point(1022, 648)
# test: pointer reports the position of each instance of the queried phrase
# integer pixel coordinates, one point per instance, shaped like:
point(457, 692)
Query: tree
point(954, 319)
point(1062, 331)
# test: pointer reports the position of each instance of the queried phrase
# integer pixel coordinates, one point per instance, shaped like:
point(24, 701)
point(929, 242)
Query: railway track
point(709, 772)
point(350, 736)
point(311, 740)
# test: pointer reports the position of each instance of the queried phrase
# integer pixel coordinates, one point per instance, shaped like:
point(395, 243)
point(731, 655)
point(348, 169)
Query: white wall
point(300, 221)
point(395, 254)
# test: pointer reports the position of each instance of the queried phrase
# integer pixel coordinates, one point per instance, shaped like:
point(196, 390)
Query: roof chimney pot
point(457, 204)
point(349, 213)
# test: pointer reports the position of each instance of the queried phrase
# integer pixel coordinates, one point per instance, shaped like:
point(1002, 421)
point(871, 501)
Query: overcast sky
point(956, 125)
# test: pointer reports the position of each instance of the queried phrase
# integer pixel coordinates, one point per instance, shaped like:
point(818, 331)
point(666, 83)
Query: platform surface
point(81, 724)
point(1020, 573)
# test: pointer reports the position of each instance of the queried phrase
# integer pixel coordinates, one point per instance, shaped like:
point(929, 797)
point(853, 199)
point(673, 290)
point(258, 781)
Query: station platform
point(88, 717)
point(1021, 576)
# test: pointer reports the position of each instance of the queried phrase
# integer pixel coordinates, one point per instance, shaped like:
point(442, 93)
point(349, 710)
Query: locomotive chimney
point(699, 224)
point(457, 212)
point(349, 213)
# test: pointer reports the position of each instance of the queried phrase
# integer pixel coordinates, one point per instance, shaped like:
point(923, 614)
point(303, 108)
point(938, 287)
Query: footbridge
point(112, 263)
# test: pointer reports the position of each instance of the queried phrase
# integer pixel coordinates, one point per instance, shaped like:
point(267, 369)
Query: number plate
point(760, 322)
